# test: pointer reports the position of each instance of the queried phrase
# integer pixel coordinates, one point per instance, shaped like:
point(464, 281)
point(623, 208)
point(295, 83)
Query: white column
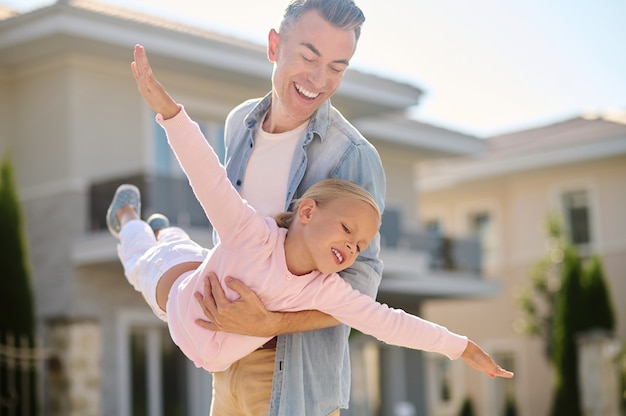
point(598, 374)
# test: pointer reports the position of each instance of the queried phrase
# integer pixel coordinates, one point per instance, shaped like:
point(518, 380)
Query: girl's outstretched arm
point(481, 361)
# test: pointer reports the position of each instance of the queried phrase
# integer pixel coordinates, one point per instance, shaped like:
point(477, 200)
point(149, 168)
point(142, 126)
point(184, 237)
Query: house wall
point(520, 203)
point(399, 164)
point(41, 136)
point(5, 113)
point(107, 137)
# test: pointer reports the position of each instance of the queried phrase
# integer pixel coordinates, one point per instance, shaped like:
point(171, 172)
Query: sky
point(486, 66)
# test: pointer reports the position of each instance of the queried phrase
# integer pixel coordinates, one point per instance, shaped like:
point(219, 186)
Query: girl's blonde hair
point(325, 191)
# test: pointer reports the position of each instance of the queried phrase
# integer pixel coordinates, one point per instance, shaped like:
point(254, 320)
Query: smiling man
point(276, 148)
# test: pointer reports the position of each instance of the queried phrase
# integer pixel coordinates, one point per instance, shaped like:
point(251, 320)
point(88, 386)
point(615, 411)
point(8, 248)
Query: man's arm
point(248, 316)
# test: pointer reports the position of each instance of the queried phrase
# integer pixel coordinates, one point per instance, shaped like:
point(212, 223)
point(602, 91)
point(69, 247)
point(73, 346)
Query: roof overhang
point(434, 141)
point(70, 25)
point(407, 279)
point(405, 291)
point(440, 175)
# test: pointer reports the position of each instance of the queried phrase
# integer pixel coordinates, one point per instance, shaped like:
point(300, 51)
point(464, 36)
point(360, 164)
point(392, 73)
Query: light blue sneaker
point(125, 195)
point(157, 222)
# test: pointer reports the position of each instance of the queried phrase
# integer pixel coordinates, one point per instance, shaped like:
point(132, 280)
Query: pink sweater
point(251, 248)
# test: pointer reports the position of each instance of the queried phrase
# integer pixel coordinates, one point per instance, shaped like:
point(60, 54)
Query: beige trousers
point(245, 388)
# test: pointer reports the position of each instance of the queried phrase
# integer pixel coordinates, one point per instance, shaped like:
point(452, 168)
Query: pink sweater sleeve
point(222, 204)
point(393, 326)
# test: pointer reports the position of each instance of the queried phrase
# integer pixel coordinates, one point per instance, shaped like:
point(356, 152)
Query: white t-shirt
point(270, 163)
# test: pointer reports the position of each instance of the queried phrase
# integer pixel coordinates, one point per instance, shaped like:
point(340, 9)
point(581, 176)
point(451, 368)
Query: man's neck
point(273, 124)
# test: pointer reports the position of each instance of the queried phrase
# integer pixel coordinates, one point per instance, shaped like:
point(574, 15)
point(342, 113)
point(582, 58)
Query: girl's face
point(338, 231)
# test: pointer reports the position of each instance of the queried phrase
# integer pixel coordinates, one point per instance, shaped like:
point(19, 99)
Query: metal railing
point(444, 252)
point(170, 196)
point(21, 362)
point(174, 198)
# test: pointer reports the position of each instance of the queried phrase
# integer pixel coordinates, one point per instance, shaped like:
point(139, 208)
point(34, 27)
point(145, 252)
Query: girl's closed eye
point(348, 231)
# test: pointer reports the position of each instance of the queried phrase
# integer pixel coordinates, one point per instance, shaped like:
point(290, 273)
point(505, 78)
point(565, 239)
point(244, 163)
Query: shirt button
point(159, 261)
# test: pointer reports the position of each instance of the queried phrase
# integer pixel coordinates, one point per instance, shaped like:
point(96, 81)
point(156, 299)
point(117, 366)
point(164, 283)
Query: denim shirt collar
point(319, 124)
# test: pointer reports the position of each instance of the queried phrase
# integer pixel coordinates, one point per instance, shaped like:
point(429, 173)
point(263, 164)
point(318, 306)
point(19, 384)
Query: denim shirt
point(312, 370)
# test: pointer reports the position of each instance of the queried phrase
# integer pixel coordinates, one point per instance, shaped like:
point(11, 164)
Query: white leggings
point(146, 258)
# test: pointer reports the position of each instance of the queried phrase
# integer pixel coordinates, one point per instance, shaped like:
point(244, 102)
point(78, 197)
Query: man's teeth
point(338, 255)
point(306, 93)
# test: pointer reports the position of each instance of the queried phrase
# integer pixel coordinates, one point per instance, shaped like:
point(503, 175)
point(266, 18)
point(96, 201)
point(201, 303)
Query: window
point(577, 216)
point(481, 227)
point(164, 160)
point(445, 380)
point(390, 228)
point(433, 228)
point(365, 396)
point(155, 378)
point(171, 193)
point(504, 390)
point(158, 379)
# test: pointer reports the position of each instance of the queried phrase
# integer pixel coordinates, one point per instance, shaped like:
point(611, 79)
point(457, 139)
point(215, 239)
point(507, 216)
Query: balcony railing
point(170, 196)
point(442, 252)
point(174, 198)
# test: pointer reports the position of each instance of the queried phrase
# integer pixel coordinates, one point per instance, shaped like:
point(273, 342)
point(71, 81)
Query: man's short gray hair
point(343, 14)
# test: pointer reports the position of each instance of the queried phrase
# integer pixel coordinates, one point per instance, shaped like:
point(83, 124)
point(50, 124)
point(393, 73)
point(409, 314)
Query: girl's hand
point(150, 88)
point(481, 361)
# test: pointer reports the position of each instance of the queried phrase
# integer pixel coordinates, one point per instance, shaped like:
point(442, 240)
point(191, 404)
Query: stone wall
point(74, 368)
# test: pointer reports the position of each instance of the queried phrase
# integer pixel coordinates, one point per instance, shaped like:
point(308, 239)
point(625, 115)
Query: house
point(74, 126)
point(574, 167)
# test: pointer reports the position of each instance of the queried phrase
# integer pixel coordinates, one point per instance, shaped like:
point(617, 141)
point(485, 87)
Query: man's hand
point(246, 315)
point(150, 88)
point(481, 361)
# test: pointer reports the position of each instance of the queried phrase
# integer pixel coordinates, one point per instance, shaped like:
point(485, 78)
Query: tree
point(510, 407)
point(536, 300)
point(600, 313)
point(16, 298)
point(565, 297)
point(17, 316)
point(569, 320)
point(467, 409)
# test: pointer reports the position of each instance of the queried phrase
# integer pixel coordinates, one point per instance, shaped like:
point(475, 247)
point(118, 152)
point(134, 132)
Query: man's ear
point(306, 210)
point(273, 38)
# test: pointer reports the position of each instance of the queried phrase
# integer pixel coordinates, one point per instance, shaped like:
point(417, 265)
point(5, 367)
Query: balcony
point(417, 264)
point(170, 196)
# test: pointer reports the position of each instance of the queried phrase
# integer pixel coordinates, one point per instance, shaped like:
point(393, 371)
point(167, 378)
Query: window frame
point(199, 381)
point(492, 244)
point(557, 205)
